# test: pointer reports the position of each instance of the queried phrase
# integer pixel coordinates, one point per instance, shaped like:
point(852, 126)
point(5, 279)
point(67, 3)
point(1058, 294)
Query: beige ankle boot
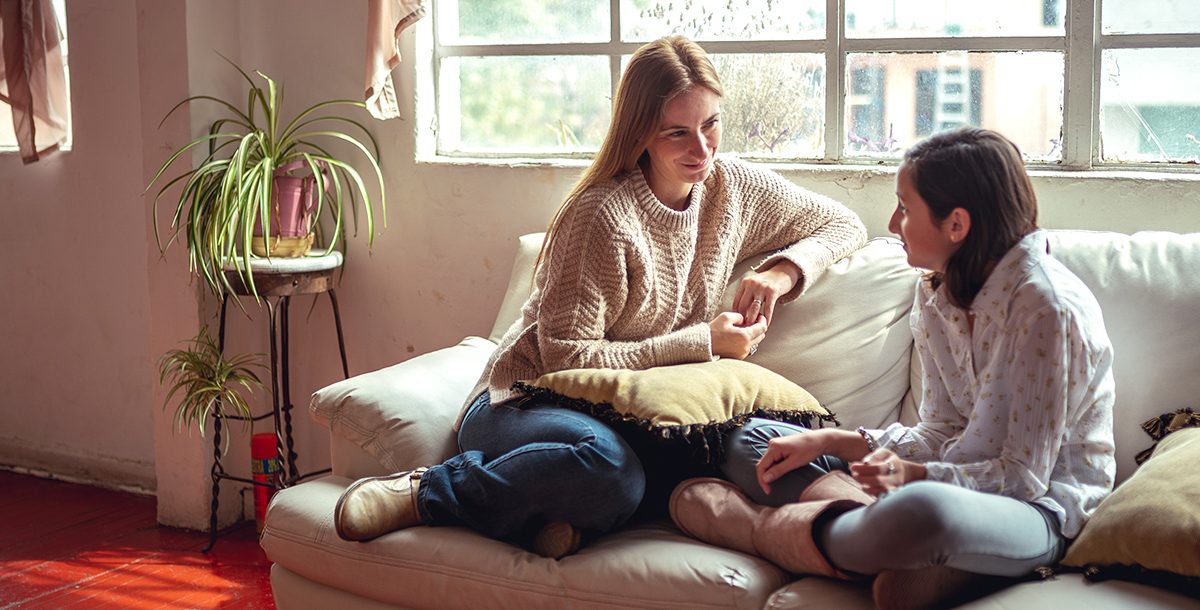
point(375, 506)
point(717, 512)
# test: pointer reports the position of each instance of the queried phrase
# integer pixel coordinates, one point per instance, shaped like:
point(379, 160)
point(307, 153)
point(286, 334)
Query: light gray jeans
point(922, 524)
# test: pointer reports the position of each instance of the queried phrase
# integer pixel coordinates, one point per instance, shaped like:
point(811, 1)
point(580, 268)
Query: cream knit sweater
point(629, 283)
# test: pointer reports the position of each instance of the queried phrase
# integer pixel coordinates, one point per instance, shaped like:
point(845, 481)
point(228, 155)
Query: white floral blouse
point(1022, 405)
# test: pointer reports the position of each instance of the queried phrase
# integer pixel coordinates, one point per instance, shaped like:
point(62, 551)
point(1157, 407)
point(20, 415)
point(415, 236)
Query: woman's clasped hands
point(738, 333)
point(882, 471)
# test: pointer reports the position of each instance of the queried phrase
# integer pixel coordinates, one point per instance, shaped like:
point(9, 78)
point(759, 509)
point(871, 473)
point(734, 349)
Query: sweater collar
point(658, 213)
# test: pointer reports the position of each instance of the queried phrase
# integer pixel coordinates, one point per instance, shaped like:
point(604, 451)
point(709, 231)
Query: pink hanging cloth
point(385, 20)
point(33, 78)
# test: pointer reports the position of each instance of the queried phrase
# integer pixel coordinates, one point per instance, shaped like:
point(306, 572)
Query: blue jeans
point(745, 446)
point(521, 467)
point(922, 524)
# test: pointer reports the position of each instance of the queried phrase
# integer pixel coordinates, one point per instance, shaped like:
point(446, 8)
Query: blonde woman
point(631, 276)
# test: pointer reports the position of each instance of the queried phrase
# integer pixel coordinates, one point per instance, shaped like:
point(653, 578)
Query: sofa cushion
point(520, 284)
point(403, 415)
point(688, 405)
point(846, 339)
point(1148, 288)
point(645, 566)
point(1152, 520)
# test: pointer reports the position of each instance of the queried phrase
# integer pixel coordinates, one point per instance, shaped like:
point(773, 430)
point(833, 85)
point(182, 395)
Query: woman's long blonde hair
point(657, 73)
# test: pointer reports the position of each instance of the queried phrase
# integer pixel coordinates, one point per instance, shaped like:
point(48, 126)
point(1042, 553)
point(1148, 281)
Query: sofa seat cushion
point(1062, 591)
point(648, 566)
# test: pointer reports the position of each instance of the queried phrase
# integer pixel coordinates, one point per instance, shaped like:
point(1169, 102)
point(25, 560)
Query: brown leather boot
point(716, 511)
point(932, 588)
point(375, 506)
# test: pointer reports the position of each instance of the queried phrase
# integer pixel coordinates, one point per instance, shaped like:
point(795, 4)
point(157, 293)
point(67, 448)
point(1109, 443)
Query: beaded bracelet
point(872, 445)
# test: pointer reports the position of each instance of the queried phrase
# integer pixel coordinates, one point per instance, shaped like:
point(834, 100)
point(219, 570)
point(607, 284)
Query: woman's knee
point(918, 514)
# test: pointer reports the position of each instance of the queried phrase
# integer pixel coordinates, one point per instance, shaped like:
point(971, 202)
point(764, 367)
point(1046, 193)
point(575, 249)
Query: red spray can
point(264, 465)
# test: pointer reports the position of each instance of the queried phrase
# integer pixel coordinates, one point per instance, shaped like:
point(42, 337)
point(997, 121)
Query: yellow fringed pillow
point(1151, 522)
point(694, 403)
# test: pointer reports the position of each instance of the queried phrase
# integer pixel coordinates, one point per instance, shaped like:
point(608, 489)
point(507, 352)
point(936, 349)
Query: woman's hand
point(882, 471)
point(732, 338)
point(787, 453)
point(757, 294)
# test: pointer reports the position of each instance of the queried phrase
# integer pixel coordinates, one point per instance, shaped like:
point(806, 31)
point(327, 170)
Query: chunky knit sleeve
point(585, 288)
point(788, 222)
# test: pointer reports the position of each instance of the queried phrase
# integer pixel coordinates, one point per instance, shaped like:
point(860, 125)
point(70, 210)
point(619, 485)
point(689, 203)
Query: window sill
point(1183, 172)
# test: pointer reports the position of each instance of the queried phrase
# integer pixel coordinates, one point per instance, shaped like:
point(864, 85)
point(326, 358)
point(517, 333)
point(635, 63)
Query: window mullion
point(1082, 85)
point(614, 57)
point(835, 79)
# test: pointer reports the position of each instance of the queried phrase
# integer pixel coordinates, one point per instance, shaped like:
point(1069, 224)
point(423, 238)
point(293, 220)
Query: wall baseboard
point(108, 472)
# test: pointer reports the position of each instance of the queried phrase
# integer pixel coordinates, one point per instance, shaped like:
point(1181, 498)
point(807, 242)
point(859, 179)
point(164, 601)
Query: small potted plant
point(208, 383)
point(263, 171)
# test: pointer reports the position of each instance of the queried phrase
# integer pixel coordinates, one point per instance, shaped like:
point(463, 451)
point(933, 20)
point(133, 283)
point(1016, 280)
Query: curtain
point(385, 20)
point(33, 78)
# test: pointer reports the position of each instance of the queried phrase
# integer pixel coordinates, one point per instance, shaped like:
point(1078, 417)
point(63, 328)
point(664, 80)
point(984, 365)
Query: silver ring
point(758, 302)
point(891, 468)
point(753, 348)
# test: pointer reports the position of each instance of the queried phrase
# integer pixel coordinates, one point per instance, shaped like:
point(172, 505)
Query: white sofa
point(846, 340)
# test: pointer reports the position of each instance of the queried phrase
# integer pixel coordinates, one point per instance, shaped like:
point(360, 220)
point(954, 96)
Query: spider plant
point(230, 192)
point(208, 383)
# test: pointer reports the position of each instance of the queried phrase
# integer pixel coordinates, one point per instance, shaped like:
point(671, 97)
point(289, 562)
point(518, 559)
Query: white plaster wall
point(75, 393)
point(80, 332)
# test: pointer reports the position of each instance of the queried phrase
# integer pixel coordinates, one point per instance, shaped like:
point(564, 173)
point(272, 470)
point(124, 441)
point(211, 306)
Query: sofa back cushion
point(1150, 295)
point(520, 284)
point(846, 339)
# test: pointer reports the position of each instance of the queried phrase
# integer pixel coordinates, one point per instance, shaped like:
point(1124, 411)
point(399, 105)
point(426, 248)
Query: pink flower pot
point(292, 202)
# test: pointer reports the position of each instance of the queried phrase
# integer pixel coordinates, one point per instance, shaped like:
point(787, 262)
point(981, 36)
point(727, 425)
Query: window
point(8, 139)
point(1077, 83)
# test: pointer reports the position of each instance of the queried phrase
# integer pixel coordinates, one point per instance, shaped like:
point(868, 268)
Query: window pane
point(920, 18)
point(1150, 105)
point(643, 20)
point(895, 99)
point(8, 137)
point(1151, 17)
point(522, 21)
point(774, 105)
point(536, 104)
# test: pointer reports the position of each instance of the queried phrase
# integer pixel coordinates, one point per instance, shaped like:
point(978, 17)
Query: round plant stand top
point(280, 276)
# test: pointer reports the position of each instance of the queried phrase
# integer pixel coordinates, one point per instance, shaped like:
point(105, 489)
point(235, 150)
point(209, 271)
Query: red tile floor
point(72, 546)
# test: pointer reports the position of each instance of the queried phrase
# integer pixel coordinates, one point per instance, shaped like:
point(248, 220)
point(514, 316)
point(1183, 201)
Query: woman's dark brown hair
point(982, 172)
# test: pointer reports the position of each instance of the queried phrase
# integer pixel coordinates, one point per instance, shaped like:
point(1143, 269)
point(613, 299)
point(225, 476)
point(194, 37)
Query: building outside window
point(1077, 83)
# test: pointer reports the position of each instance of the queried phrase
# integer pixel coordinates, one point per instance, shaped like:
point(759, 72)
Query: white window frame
point(1082, 45)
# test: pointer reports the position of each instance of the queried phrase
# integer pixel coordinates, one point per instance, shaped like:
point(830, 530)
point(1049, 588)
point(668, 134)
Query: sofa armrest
point(403, 415)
